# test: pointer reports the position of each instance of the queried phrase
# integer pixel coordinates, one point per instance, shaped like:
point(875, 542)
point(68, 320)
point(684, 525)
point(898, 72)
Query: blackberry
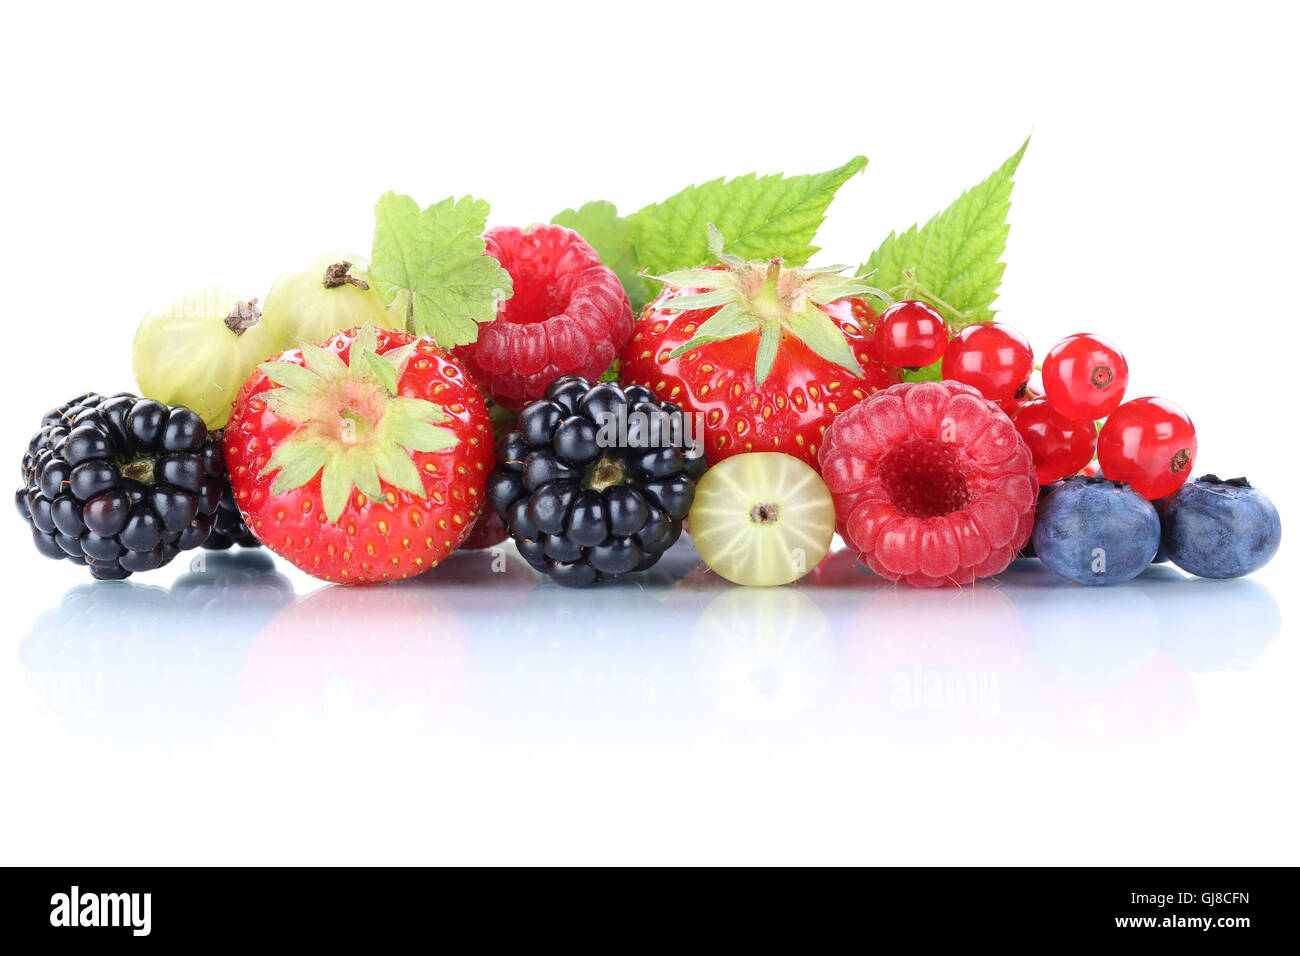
point(228, 528)
point(120, 484)
point(595, 480)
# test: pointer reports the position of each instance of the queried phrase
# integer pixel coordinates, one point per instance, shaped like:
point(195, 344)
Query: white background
point(470, 718)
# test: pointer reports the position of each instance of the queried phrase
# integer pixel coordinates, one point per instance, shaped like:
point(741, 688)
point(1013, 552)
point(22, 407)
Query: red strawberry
point(362, 459)
point(766, 355)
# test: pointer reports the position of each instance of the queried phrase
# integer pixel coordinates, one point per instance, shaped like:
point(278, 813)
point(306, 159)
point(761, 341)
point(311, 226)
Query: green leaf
point(335, 486)
point(610, 235)
point(437, 260)
point(383, 370)
point(769, 342)
point(728, 322)
point(956, 255)
point(298, 458)
point(762, 217)
point(421, 436)
point(290, 375)
point(817, 331)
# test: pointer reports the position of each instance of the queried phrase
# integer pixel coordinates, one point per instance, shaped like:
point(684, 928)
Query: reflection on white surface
point(503, 675)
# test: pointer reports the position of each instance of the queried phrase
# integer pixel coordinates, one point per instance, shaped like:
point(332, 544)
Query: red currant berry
point(911, 335)
point(1085, 377)
point(1060, 447)
point(1150, 443)
point(991, 357)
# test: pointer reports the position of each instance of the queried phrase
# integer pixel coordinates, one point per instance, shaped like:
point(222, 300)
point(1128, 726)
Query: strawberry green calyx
point(352, 427)
point(771, 298)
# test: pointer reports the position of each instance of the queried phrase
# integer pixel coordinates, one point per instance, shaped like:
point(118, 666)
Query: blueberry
point(1220, 529)
point(1093, 531)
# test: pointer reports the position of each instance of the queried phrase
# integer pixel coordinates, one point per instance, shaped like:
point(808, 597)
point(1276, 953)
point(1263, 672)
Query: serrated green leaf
point(437, 259)
point(956, 255)
point(610, 235)
point(762, 217)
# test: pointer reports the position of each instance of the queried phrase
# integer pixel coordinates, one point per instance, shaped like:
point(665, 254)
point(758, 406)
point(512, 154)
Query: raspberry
point(569, 315)
point(931, 483)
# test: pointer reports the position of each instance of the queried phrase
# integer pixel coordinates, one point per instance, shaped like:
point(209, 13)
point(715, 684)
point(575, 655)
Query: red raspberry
point(569, 315)
point(931, 482)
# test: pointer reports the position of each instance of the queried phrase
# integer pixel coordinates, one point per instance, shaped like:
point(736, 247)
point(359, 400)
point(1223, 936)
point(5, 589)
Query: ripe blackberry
point(228, 528)
point(120, 484)
point(595, 480)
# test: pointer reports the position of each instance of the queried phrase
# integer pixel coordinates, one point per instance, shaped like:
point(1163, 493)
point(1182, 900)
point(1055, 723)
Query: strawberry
point(362, 459)
point(765, 355)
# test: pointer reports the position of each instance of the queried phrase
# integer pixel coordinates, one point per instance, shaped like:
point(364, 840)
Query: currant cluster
point(120, 484)
point(1150, 443)
point(595, 480)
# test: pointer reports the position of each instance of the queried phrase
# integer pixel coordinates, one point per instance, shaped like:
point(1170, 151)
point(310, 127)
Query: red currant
point(1150, 443)
point(991, 357)
point(1085, 376)
point(1060, 447)
point(911, 335)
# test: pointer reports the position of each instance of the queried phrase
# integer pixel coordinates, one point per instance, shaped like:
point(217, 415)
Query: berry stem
point(915, 289)
point(337, 275)
point(243, 317)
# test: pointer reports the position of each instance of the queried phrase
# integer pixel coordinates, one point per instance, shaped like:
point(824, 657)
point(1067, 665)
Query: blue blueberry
point(1093, 531)
point(1220, 529)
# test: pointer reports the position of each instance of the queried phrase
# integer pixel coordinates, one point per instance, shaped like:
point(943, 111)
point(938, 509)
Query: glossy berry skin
point(992, 358)
point(910, 334)
point(120, 484)
point(1084, 377)
point(568, 315)
point(1094, 532)
point(1060, 447)
point(595, 480)
point(932, 483)
point(228, 528)
point(385, 539)
point(1149, 443)
point(793, 407)
point(1220, 529)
